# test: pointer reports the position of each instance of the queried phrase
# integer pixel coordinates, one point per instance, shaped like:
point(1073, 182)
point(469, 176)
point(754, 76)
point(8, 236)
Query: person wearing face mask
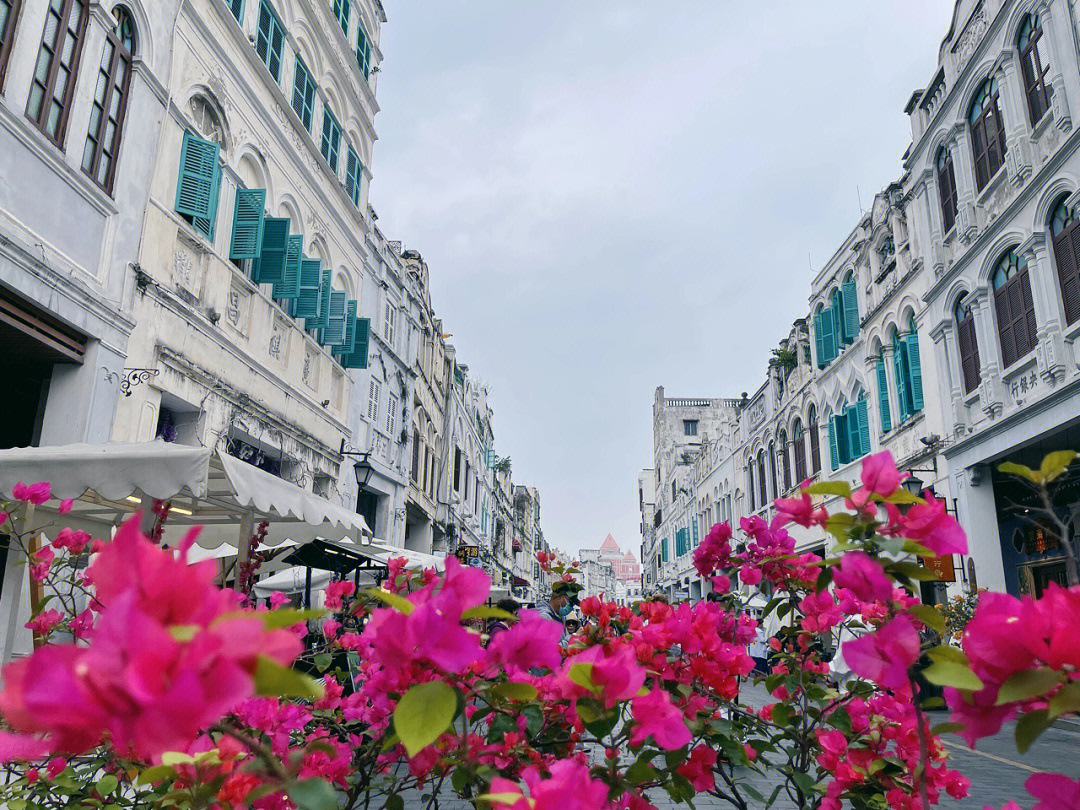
point(558, 606)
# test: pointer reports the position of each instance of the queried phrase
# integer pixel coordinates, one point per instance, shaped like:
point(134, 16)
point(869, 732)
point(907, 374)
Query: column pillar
point(1015, 114)
point(966, 189)
point(990, 393)
point(1054, 16)
point(1050, 349)
point(945, 350)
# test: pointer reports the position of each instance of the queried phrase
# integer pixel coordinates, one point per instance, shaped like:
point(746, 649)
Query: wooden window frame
point(946, 180)
point(275, 23)
point(119, 50)
point(988, 143)
point(814, 430)
point(7, 38)
point(54, 68)
point(1034, 72)
point(1014, 306)
point(1066, 246)
point(799, 442)
point(968, 344)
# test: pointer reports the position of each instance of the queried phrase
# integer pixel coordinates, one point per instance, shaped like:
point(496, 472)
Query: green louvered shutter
point(363, 52)
point(303, 99)
point(333, 334)
point(306, 303)
point(346, 348)
point(851, 310)
point(247, 228)
point(663, 550)
point(862, 418)
point(915, 366)
point(834, 450)
point(237, 8)
point(694, 525)
point(290, 285)
point(883, 396)
point(359, 356)
point(270, 266)
point(208, 225)
point(199, 177)
point(828, 334)
point(819, 343)
point(900, 369)
point(341, 11)
point(322, 319)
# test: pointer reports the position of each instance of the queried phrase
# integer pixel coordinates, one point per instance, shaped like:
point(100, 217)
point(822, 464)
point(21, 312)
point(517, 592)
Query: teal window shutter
point(208, 225)
point(359, 356)
point(834, 450)
point(200, 175)
point(237, 8)
point(663, 550)
point(900, 367)
point(347, 346)
point(819, 343)
point(306, 303)
point(363, 52)
point(247, 228)
point(270, 39)
point(290, 285)
point(331, 139)
point(333, 334)
point(322, 319)
point(851, 310)
point(303, 99)
point(342, 8)
point(883, 395)
point(270, 266)
point(862, 420)
point(354, 172)
point(915, 367)
point(694, 525)
point(828, 334)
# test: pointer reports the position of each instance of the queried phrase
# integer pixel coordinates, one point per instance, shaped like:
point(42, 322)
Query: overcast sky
point(613, 196)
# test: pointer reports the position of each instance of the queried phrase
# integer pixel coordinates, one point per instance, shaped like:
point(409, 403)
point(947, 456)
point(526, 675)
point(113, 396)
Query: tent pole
point(307, 588)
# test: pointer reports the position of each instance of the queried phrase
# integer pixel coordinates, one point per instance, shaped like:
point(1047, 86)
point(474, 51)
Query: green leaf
point(287, 617)
point(928, 615)
point(1011, 468)
point(500, 798)
point(1029, 727)
point(946, 652)
point(394, 802)
point(911, 547)
point(641, 771)
point(581, 674)
point(313, 794)
point(271, 678)
point(155, 774)
point(512, 690)
point(1054, 464)
point(829, 488)
point(106, 784)
point(1027, 684)
point(485, 612)
point(423, 713)
point(394, 600)
point(1066, 700)
point(184, 632)
point(40, 606)
point(946, 728)
point(177, 758)
point(323, 661)
point(914, 571)
point(902, 496)
point(949, 673)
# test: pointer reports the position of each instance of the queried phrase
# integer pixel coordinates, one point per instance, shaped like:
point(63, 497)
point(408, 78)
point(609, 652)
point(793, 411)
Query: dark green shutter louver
point(900, 369)
point(237, 8)
point(322, 319)
point(363, 52)
point(863, 420)
point(819, 343)
point(883, 396)
point(270, 266)
point(342, 9)
point(270, 40)
point(306, 303)
point(358, 358)
point(199, 175)
point(208, 225)
point(333, 334)
point(347, 347)
point(915, 366)
point(851, 310)
point(247, 229)
point(303, 99)
point(353, 176)
point(290, 285)
point(828, 334)
point(834, 436)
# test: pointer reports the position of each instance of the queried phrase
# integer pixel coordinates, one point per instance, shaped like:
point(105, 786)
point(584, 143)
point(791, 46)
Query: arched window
point(785, 462)
point(1014, 307)
point(1066, 238)
point(110, 101)
point(772, 470)
point(908, 370)
point(946, 183)
point(799, 443)
point(57, 67)
point(815, 441)
point(763, 491)
point(969, 344)
point(1034, 66)
point(9, 14)
point(750, 483)
point(987, 133)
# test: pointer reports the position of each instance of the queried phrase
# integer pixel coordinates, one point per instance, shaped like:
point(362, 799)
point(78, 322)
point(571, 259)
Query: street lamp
point(914, 484)
point(363, 471)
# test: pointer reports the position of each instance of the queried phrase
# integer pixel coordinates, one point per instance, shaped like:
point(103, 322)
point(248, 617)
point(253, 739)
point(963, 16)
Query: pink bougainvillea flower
point(655, 715)
point(994, 639)
point(531, 642)
point(800, 510)
point(714, 551)
point(330, 629)
point(277, 599)
point(884, 655)
point(336, 591)
point(879, 474)
point(82, 626)
point(721, 584)
point(1050, 627)
point(750, 574)
point(74, 540)
point(45, 622)
point(567, 787)
point(55, 767)
point(928, 524)
point(863, 576)
point(32, 493)
point(1055, 791)
point(977, 712)
point(65, 506)
point(698, 768)
point(618, 674)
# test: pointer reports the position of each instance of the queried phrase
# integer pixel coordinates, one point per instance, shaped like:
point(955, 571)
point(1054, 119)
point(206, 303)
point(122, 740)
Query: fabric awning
point(112, 481)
